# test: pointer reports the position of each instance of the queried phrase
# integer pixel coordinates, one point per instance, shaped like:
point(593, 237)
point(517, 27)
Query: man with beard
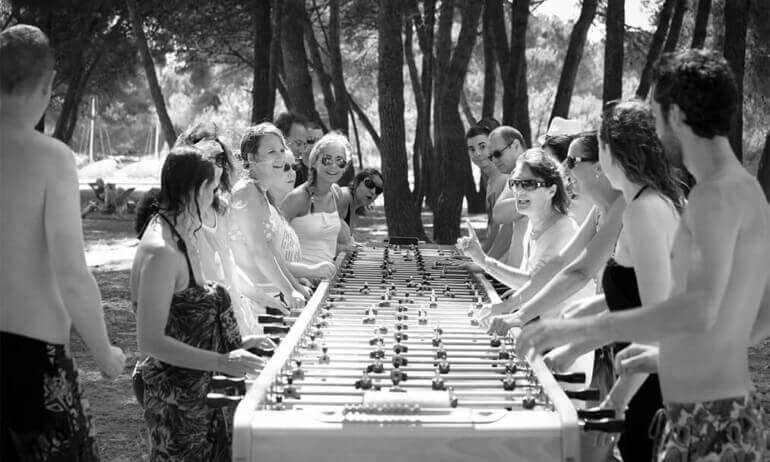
point(719, 264)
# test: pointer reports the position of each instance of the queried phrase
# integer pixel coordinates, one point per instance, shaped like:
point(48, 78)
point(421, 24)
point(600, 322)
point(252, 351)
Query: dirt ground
point(110, 245)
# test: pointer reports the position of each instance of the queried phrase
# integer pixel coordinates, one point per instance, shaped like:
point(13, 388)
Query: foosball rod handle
point(587, 394)
point(605, 425)
point(224, 382)
point(572, 377)
point(219, 400)
point(595, 413)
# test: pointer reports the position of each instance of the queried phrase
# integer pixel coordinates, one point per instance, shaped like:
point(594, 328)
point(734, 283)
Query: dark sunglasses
point(570, 162)
point(311, 141)
point(370, 184)
point(498, 153)
point(327, 161)
point(526, 185)
point(287, 166)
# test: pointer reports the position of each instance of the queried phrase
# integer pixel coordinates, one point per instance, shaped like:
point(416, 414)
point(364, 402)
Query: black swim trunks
point(44, 413)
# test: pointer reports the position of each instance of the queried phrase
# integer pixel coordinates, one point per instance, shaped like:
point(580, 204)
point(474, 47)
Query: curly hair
point(331, 138)
point(208, 131)
point(701, 83)
point(628, 128)
point(546, 168)
point(184, 171)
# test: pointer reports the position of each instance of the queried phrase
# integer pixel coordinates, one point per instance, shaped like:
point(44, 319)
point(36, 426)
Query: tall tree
point(275, 54)
point(261, 101)
point(488, 42)
point(401, 214)
point(676, 26)
point(656, 45)
point(451, 66)
point(340, 107)
point(736, 22)
point(613, 51)
point(701, 24)
point(299, 85)
point(577, 40)
point(516, 105)
point(169, 133)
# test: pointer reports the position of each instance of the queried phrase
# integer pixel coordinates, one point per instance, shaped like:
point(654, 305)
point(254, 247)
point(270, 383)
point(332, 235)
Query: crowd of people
point(682, 284)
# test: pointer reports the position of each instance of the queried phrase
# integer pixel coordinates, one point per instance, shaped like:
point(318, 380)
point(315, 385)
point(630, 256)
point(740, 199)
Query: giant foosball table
point(386, 362)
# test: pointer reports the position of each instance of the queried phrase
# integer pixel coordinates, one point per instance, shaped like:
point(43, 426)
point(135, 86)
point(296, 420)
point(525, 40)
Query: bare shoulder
point(242, 193)
point(647, 210)
point(296, 202)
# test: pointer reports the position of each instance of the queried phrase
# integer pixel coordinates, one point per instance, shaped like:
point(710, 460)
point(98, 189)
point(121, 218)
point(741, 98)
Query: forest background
point(403, 78)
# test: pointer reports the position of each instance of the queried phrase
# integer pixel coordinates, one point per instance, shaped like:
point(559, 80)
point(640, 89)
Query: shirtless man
point(498, 236)
point(44, 281)
point(720, 270)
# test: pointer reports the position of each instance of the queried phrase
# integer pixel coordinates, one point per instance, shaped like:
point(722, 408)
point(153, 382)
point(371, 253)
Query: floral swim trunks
point(727, 430)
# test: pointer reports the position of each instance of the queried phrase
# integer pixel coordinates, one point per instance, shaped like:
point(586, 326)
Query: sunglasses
point(526, 185)
point(327, 161)
point(286, 167)
point(311, 141)
point(370, 184)
point(496, 154)
point(570, 162)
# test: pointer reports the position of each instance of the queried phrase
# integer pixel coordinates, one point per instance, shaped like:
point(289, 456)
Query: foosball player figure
point(365, 289)
point(369, 318)
point(400, 336)
point(290, 391)
point(474, 321)
point(529, 401)
point(438, 382)
point(511, 367)
point(376, 367)
point(443, 366)
point(324, 357)
point(503, 353)
point(509, 383)
point(448, 291)
point(402, 325)
point(441, 353)
point(377, 353)
point(397, 376)
point(495, 341)
point(433, 300)
point(297, 373)
point(399, 348)
point(399, 360)
point(278, 405)
point(422, 317)
point(377, 339)
point(471, 311)
point(312, 345)
point(436, 339)
point(365, 382)
point(410, 281)
point(385, 299)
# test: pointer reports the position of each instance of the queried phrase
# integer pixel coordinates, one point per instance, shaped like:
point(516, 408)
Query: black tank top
point(621, 292)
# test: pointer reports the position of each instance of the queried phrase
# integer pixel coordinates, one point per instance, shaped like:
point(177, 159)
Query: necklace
point(535, 235)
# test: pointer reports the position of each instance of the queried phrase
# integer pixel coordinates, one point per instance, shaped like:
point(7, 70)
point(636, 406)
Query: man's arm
point(505, 207)
point(64, 236)
point(502, 241)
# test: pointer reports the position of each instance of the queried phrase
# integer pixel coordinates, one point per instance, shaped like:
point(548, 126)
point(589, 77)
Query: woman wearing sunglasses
point(356, 199)
point(541, 196)
point(253, 224)
point(311, 208)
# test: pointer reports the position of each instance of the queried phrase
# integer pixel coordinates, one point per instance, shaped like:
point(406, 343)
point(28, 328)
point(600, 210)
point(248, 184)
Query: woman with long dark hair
point(185, 325)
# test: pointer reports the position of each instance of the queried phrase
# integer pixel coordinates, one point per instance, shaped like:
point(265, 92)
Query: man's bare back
point(32, 164)
point(708, 365)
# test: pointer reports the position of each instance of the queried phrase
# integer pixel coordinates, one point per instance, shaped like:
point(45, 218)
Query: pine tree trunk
point(261, 106)
point(577, 41)
point(656, 45)
point(340, 108)
point(488, 38)
point(676, 26)
point(701, 24)
point(449, 128)
point(299, 85)
point(149, 69)
point(736, 20)
point(517, 73)
point(402, 216)
point(613, 51)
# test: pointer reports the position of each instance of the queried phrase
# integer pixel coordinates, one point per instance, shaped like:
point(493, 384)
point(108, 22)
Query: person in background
point(356, 199)
point(184, 324)
point(294, 129)
point(477, 139)
point(45, 283)
point(311, 208)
